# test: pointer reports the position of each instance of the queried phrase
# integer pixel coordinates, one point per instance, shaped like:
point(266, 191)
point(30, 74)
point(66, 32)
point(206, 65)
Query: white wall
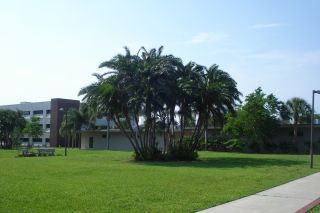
point(117, 141)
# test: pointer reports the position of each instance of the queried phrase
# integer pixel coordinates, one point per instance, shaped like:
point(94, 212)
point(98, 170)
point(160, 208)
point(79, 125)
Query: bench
point(46, 151)
point(28, 153)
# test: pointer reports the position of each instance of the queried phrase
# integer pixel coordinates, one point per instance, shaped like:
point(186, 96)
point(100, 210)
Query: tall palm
point(116, 94)
point(206, 93)
point(71, 126)
point(299, 112)
point(191, 83)
point(160, 73)
point(221, 93)
point(135, 86)
point(219, 96)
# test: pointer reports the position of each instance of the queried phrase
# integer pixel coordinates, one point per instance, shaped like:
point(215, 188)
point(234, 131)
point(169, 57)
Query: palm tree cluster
point(167, 94)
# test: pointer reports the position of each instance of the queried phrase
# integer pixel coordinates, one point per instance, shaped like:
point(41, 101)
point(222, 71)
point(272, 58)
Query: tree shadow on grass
point(226, 162)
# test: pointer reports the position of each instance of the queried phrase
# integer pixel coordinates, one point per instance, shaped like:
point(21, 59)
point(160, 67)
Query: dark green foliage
point(150, 154)
point(254, 123)
point(235, 144)
point(11, 126)
point(182, 151)
point(216, 141)
point(33, 128)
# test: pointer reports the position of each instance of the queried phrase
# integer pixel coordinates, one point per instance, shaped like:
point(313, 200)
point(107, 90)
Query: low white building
point(98, 139)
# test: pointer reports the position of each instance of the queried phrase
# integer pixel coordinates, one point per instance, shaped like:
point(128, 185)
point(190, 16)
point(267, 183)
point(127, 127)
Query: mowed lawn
point(109, 181)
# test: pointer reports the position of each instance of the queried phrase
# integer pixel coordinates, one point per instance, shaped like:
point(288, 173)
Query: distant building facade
point(282, 139)
point(285, 135)
point(50, 113)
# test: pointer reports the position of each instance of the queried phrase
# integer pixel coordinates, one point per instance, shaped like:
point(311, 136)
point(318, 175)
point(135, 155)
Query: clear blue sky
point(50, 48)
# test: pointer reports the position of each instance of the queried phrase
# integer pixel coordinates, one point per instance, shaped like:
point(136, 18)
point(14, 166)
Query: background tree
point(33, 128)
point(71, 126)
point(20, 123)
point(206, 94)
point(299, 113)
point(11, 125)
point(255, 121)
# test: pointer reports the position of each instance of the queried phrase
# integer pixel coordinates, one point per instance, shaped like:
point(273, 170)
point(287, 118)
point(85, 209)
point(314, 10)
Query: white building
point(39, 109)
point(50, 114)
point(112, 140)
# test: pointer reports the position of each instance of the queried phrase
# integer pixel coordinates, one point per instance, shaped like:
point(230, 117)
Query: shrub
point(215, 142)
point(150, 154)
point(182, 151)
point(235, 144)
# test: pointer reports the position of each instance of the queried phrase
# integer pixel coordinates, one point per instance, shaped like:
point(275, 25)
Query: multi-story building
point(51, 114)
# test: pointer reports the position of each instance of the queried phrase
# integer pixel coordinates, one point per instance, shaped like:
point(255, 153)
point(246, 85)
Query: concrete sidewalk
point(289, 197)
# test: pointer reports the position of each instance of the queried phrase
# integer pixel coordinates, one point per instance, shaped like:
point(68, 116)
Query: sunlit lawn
point(109, 181)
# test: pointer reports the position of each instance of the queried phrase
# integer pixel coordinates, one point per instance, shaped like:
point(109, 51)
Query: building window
point(25, 139)
point(47, 126)
point(37, 140)
point(26, 113)
point(104, 136)
point(91, 142)
point(38, 112)
point(48, 112)
point(47, 140)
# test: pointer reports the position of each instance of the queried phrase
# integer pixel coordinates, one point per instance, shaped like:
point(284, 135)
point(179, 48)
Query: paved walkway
point(289, 197)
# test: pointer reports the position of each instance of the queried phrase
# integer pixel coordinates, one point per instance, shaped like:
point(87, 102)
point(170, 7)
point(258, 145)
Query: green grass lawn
point(316, 209)
point(109, 181)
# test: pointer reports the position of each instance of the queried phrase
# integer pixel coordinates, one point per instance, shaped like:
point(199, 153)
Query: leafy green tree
point(17, 132)
point(299, 113)
point(254, 122)
point(11, 125)
point(33, 128)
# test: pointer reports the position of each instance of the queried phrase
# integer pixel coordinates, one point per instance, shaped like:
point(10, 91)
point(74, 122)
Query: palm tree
point(190, 88)
point(116, 93)
point(299, 112)
point(206, 93)
point(135, 86)
point(221, 95)
point(72, 128)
